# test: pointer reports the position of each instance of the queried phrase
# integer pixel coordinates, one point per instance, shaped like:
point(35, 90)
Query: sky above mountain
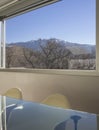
point(69, 20)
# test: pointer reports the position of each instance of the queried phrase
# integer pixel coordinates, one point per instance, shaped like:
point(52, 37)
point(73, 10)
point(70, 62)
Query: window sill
point(53, 71)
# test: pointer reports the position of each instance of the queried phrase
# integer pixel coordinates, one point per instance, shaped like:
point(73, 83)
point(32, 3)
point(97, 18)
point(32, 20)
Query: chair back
point(57, 100)
point(13, 93)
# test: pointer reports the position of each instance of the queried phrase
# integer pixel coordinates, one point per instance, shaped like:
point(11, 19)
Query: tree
point(29, 58)
point(49, 55)
point(54, 55)
point(9, 56)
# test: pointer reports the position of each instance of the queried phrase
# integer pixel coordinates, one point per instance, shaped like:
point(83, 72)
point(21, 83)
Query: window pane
point(58, 36)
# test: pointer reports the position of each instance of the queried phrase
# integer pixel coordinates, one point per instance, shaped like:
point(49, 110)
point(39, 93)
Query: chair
point(13, 93)
point(57, 100)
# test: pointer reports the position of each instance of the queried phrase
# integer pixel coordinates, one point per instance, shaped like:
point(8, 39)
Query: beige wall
point(82, 92)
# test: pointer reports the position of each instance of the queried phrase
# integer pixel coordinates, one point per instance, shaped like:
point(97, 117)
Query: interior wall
point(82, 92)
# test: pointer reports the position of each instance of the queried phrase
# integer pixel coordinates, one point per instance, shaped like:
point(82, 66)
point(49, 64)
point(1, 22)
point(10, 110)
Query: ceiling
point(10, 8)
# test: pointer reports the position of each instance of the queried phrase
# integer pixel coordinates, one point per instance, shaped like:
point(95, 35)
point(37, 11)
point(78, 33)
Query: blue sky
point(69, 20)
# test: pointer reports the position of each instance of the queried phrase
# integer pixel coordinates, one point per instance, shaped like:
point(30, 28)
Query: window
point(58, 36)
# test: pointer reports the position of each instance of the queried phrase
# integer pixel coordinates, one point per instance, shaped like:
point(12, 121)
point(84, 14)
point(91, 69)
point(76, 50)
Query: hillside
point(50, 54)
point(75, 48)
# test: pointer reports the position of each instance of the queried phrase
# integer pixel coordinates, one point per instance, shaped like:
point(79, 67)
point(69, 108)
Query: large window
point(58, 36)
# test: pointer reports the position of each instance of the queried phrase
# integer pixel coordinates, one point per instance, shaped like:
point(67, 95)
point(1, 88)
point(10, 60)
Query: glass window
point(58, 36)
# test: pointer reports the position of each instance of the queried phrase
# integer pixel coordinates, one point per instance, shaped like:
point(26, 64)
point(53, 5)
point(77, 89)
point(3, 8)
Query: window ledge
point(53, 71)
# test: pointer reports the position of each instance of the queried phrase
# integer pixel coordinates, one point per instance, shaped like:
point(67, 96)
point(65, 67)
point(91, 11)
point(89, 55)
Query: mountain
point(75, 48)
point(50, 54)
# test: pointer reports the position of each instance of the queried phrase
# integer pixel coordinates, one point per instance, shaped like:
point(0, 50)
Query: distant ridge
point(75, 48)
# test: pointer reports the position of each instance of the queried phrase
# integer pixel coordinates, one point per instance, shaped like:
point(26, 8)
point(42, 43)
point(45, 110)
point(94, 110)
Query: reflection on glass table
point(23, 115)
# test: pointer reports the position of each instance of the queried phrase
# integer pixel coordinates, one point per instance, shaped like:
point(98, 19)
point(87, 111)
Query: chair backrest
point(57, 100)
point(13, 93)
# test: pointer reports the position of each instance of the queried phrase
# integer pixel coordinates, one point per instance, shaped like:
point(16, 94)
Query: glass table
point(22, 115)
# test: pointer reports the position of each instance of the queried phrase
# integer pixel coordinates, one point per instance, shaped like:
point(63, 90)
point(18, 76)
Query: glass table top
point(22, 115)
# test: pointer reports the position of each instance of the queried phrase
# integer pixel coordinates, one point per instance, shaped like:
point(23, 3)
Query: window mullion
point(2, 46)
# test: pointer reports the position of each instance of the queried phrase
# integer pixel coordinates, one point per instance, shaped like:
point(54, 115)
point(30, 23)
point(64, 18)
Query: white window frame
point(53, 71)
point(2, 45)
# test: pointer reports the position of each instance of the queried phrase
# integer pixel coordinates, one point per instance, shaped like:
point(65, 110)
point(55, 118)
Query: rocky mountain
point(51, 54)
point(75, 48)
